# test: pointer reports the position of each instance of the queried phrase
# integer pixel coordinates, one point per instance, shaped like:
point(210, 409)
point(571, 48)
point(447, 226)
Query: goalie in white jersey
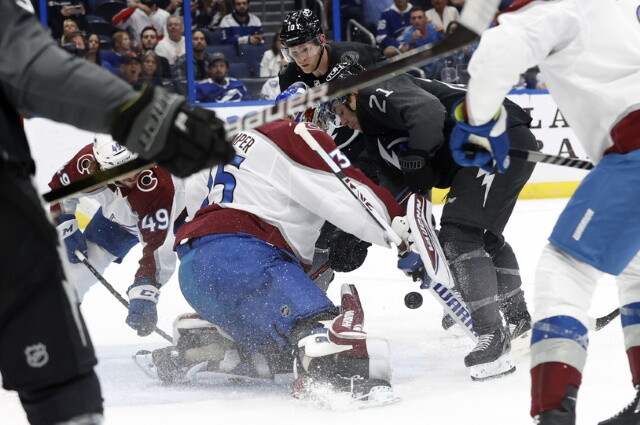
point(589, 54)
point(245, 252)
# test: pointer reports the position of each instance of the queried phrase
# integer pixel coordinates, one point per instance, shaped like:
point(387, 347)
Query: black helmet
point(343, 70)
point(299, 27)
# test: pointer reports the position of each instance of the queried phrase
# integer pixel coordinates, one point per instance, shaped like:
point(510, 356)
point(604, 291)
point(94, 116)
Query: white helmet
point(110, 153)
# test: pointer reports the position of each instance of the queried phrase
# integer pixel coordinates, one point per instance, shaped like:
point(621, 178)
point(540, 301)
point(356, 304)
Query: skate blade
point(143, 360)
point(495, 369)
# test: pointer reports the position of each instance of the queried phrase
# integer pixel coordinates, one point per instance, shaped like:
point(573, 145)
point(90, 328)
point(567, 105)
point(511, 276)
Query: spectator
point(442, 15)
point(201, 59)
point(94, 54)
point(452, 68)
point(204, 13)
point(68, 26)
point(121, 45)
point(151, 71)
point(273, 61)
point(241, 27)
point(220, 87)
point(270, 89)
point(148, 42)
point(371, 12)
point(173, 45)
point(393, 23)
point(420, 33)
point(131, 68)
point(140, 15)
point(59, 12)
point(75, 44)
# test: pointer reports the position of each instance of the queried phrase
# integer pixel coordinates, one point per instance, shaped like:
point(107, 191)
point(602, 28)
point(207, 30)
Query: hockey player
point(407, 120)
point(45, 351)
point(243, 255)
point(594, 78)
point(141, 208)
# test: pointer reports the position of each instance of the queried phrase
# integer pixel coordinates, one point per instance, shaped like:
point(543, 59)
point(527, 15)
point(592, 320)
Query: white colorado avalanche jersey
point(279, 190)
point(589, 54)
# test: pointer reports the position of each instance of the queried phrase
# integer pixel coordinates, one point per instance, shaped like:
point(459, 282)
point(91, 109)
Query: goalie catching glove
point(478, 145)
point(143, 314)
point(164, 128)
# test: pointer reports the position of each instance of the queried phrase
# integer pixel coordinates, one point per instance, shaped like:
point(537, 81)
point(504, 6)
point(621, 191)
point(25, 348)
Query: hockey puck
point(413, 300)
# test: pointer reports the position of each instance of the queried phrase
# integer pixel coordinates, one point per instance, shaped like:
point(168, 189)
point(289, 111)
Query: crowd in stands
point(233, 59)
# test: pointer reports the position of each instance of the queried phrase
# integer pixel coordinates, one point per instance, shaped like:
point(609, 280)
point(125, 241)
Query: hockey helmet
point(341, 71)
point(299, 27)
point(110, 153)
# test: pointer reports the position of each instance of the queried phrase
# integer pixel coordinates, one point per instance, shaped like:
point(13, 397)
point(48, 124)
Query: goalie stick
point(113, 291)
point(474, 19)
point(435, 264)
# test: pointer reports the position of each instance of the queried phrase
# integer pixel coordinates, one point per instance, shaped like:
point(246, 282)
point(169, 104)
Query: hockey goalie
point(334, 363)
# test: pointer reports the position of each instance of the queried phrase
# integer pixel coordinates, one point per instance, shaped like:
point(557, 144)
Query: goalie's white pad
point(425, 241)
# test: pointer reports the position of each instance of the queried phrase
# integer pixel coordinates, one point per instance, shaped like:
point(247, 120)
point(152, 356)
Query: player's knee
point(458, 239)
point(64, 402)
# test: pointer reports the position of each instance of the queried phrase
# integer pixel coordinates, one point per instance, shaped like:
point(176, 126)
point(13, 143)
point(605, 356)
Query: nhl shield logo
point(36, 355)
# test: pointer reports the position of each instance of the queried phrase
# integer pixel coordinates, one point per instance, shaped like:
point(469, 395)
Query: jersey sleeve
point(524, 38)
point(153, 203)
point(78, 168)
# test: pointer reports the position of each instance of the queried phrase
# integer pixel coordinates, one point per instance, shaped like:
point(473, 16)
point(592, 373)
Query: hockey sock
point(549, 384)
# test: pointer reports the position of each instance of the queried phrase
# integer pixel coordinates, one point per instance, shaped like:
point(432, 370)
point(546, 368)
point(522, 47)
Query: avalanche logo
point(147, 181)
point(84, 162)
point(36, 355)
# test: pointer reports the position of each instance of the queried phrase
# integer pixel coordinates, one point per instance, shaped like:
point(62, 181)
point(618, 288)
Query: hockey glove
point(418, 174)
point(163, 127)
point(412, 266)
point(72, 236)
point(346, 252)
point(143, 314)
point(478, 145)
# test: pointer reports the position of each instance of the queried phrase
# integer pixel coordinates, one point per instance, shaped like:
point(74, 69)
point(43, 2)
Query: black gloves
point(418, 175)
point(163, 127)
point(346, 252)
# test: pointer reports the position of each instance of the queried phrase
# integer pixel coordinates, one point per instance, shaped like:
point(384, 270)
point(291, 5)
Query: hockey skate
point(202, 347)
point(565, 415)
point(339, 368)
point(491, 357)
point(520, 333)
point(630, 415)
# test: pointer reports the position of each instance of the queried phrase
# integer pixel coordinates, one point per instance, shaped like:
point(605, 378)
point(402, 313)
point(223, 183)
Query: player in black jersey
point(408, 122)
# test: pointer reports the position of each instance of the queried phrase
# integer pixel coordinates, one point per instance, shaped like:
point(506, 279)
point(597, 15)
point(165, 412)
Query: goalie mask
point(311, 115)
point(110, 153)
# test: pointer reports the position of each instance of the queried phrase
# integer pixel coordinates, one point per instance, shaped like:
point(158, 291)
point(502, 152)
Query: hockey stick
point(97, 179)
point(534, 156)
point(113, 291)
point(475, 18)
point(603, 321)
point(444, 295)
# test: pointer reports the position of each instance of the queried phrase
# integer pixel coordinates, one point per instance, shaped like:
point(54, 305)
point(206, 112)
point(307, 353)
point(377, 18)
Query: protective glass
point(302, 51)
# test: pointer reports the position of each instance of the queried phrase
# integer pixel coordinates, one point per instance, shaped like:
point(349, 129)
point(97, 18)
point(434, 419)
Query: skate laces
point(628, 407)
point(483, 342)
